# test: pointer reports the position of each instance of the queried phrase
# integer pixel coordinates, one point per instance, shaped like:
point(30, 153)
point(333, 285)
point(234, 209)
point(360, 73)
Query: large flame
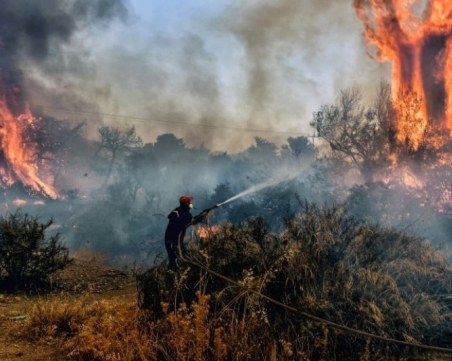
point(420, 49)
point(19, 162)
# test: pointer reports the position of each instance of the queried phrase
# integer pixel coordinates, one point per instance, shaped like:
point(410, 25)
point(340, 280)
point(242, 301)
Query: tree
point(115, 143)
point(264, 150)
point(299, 148)
point(27, 257)
point(221, 193)
point(168, 144)
point(359, 134)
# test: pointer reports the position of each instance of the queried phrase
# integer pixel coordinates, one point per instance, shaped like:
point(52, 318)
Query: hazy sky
point(263, 65)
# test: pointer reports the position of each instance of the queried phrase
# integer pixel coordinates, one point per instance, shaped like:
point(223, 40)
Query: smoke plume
point(38, 36)
point(259, 65)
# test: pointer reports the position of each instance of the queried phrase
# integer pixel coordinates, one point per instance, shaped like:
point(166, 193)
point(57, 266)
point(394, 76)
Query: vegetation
point(332, 262)
point(88, 329)
point(324, 263)
point(27, 256)
point(98, 330)
point(359, 134)
point(128, 186)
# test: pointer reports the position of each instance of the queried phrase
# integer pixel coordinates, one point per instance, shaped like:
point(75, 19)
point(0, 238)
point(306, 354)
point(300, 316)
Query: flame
point(205, 232)
point(420, 50)
point(20, 202)
point(19, 152)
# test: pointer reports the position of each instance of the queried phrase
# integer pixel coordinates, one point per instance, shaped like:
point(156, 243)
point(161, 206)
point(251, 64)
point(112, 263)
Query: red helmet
point(185, 200)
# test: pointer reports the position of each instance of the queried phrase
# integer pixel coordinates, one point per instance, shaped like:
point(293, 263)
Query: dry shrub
point(326, 263)
point(183, 322)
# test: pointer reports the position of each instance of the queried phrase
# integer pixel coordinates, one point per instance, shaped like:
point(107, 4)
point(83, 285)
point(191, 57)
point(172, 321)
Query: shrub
point(27, 257)
point(325, 263)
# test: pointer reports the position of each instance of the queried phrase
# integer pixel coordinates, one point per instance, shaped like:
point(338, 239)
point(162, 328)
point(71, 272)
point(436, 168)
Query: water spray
point(284, 177)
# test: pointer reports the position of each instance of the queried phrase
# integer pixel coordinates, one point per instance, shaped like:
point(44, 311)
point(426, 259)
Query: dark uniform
point(179, 220)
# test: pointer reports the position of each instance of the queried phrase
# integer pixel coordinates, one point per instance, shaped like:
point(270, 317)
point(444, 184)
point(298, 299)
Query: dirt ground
point(81, 277)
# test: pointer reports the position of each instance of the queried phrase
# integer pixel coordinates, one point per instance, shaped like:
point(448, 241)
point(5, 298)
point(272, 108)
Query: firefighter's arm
point(198, 218)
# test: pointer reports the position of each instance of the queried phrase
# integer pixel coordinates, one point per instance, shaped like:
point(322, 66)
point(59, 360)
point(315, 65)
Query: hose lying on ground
point(306, 314)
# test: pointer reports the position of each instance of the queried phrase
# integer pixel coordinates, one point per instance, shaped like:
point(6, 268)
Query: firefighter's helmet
point(185, 200)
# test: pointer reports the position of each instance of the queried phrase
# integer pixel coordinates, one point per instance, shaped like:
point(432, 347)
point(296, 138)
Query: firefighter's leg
point(172, 256)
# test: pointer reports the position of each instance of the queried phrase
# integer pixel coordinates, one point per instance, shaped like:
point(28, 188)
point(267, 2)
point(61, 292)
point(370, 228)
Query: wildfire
point(420, 49)
point(205, 232)
point(20, 202)
point(19, 162)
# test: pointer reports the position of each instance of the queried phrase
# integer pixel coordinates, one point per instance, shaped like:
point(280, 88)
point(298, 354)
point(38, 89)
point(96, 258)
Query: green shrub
point(27, 257)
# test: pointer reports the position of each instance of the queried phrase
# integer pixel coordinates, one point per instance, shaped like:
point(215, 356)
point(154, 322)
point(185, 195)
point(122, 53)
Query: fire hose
point(305, 314)
point(201, 215)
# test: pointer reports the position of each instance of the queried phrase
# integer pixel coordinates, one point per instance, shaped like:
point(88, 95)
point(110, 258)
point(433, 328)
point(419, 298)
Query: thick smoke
point(298, 54)
point(38, 34)
point(259, 65)
point(39, 29)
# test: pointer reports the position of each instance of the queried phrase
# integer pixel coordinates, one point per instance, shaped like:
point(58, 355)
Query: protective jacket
point(180, 219)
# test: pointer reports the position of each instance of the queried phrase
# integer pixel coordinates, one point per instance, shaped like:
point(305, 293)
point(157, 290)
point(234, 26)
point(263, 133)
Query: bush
point(325, 263)
point(27, 257)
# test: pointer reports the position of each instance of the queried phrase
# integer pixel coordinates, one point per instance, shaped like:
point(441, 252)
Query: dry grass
point(112, 330)
point(89, 329)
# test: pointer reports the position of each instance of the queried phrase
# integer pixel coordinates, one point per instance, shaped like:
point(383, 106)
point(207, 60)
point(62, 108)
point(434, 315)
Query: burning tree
point(420, 49)
point(18, 162)
point(404, 139)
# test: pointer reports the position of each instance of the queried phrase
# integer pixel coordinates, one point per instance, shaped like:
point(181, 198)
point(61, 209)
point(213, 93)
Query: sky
point(208, 70)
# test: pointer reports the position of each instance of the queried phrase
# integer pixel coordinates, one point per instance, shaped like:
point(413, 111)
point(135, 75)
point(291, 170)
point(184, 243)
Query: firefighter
point(180, 219)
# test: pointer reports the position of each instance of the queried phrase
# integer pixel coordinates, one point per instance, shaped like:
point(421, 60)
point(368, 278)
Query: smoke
point(298, 55)
point(37, 46)
point(271, 63)
point(259, 65)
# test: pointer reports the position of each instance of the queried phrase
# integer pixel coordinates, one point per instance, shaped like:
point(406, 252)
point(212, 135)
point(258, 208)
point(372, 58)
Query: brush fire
point(18, 161)
point(323, 222)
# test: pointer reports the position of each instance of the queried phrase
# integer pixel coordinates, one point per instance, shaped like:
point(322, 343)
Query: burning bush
point(324, 263)
point(27, 257)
